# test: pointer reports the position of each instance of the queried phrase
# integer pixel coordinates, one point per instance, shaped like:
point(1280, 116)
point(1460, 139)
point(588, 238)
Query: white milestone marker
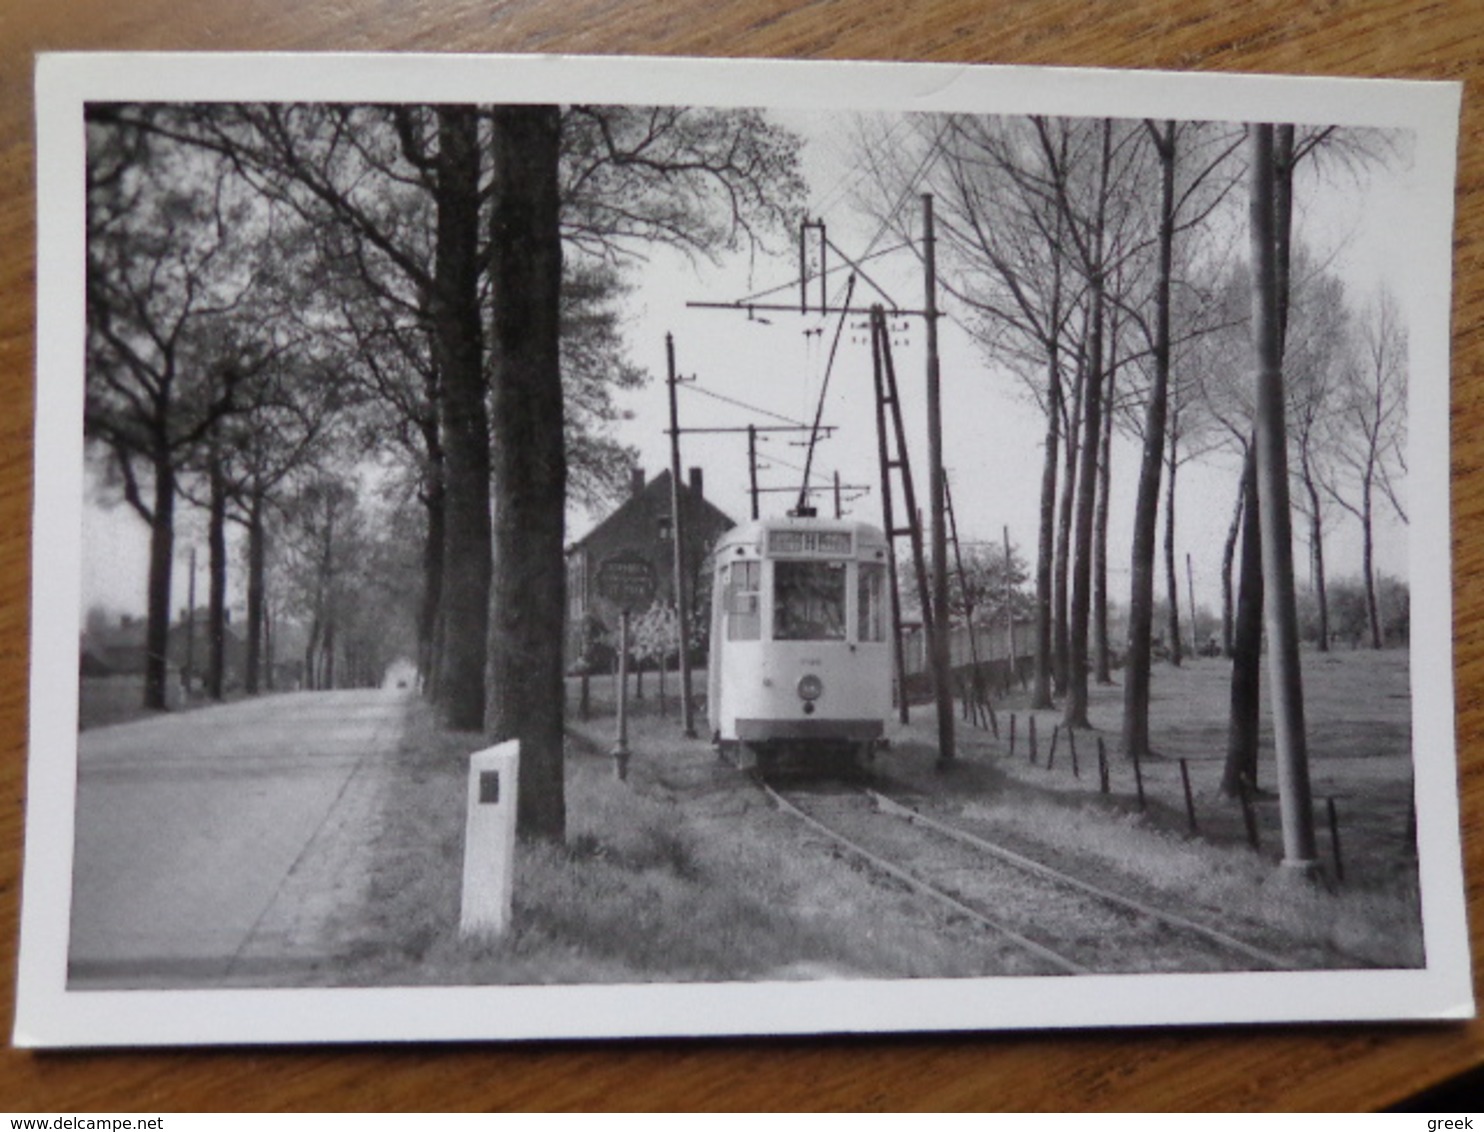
point(489, 840)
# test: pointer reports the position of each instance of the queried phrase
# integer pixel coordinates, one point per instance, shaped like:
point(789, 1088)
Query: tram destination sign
point(627, 579)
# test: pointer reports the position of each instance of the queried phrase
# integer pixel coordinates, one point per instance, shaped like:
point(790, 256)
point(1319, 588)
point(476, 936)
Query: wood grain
point(1252, 1068)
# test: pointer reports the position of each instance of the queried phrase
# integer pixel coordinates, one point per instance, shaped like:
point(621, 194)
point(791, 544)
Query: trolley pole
point(942, 676)
point(677, 532)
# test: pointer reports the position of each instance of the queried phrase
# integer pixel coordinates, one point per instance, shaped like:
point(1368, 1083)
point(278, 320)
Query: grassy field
point(1358, 712)
point(684, 873)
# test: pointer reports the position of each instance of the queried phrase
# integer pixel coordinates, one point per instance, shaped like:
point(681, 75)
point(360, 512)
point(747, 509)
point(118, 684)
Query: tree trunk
point(311, 655)
point(1045, 552)
point(257, 539)
point(1075, 712)
point(1101, 647)
point(161, 566)
point(1228, 557)
point(329, 677)
point(1368, 567)
point(1061, 603)
point(432, 597)
point(216, 615)
point(1245, 718)
point(458, 351)
point(1316, 559)
point(529, 592)
point(270, 679)
point(1136, 675)
point(1172, 575)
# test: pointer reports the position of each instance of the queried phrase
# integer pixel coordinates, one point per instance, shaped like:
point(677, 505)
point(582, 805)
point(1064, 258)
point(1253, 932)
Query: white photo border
point(48, 1014)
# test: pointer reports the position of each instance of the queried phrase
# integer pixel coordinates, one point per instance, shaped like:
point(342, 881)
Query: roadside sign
point(627, 579)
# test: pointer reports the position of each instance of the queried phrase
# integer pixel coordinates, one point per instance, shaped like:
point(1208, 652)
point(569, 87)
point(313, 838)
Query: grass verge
point(681, 874)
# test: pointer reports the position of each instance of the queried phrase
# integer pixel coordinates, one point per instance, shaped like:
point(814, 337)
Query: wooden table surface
point(1296, 1067)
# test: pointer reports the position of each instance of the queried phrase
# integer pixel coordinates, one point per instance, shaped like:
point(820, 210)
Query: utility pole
point(942, 682)
point(752, 467)
point(1010, 605)
point(1280, 606)
point(1195, 644)
point(752, 432)
point(677, 532)
point(190, 656)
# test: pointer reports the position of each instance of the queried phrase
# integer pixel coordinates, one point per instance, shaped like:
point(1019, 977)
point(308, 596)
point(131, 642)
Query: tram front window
point(808, 601)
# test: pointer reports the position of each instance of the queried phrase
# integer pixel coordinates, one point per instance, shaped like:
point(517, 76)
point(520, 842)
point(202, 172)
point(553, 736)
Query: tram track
point(1062, 924)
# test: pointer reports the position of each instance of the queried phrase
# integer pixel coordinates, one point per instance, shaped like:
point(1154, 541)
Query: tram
point(800, 640)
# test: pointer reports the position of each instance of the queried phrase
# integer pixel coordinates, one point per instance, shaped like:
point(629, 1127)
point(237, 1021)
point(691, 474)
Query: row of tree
point(1103, 262)
point(292, 308)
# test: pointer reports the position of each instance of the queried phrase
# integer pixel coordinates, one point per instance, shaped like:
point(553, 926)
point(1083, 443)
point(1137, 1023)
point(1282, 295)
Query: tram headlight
point(811, 687)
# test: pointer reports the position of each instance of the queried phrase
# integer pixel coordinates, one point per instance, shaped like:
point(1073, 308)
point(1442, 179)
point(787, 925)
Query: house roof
point(656, 490)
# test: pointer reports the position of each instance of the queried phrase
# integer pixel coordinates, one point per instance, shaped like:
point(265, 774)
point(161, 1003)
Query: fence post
point(984, 700)
point(1334, 839)
point(1102, 765)
point(1012, 734)
point(1072, 746)
point(1248, 817)
point(1031, 736)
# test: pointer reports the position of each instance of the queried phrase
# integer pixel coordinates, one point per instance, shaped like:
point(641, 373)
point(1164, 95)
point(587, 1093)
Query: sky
point(992, 433)
point(776, 363)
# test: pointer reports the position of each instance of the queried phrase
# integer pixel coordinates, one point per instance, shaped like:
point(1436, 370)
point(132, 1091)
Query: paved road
point(216, 844)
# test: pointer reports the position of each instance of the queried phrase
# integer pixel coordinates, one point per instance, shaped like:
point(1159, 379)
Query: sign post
point(627, 579)
point(620, 750)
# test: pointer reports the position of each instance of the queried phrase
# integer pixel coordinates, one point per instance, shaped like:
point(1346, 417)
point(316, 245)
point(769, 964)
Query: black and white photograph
point(552, 547)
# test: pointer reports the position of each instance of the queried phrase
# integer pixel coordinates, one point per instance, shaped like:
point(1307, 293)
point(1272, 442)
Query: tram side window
point(871, 620)
point(808, 601)
point(742, 584)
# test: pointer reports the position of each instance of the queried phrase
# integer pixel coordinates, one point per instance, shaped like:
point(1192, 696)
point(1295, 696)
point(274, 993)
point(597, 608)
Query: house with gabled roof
point(641, 525)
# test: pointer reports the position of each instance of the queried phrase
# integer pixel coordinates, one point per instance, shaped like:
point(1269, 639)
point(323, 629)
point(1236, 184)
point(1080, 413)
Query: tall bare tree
point(1189, 193)
point(1370, 435)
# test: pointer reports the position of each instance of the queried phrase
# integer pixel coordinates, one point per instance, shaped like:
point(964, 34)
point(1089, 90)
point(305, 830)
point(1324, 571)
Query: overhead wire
point(694, 388)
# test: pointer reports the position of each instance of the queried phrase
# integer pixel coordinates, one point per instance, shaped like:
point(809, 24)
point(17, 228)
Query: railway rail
point(1059, 923)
